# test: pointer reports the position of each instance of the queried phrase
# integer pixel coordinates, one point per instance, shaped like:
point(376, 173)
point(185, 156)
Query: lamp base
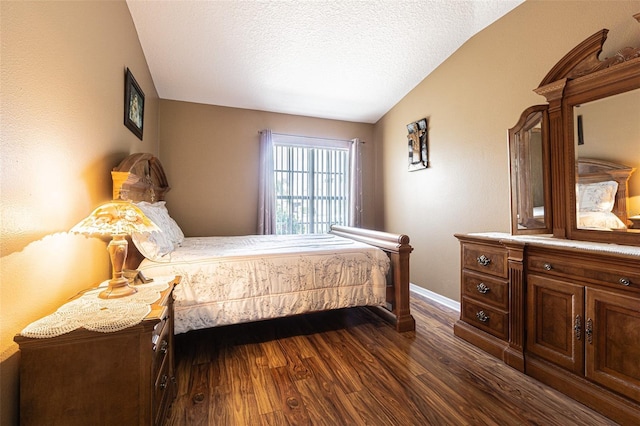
point(118, 287)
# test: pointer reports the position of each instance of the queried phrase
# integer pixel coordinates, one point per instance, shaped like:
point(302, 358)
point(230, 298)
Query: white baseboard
point(449, 303)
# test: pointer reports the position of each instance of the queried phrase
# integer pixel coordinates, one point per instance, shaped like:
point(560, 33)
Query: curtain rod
point(311, 137)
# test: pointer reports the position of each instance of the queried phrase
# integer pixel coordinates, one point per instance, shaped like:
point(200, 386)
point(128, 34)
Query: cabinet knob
point(482, 317)
point(624, 281)
point(547, 266)
point(483, 260)
point(482, 288)
point(588, 330)
point(164, 347)
point(578, 327)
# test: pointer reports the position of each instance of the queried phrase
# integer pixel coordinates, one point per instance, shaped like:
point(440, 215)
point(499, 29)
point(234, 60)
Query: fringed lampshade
point(117, 219)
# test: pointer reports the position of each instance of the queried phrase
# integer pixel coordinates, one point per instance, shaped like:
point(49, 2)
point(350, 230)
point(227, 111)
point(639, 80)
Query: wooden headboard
point(139, 177)
point(592, 170)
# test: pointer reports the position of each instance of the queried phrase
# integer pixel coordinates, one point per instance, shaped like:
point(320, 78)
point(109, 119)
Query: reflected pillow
point(597, 197)
point(599, 220)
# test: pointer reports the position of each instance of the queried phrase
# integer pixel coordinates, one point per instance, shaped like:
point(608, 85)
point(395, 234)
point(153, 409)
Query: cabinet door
point(555, 321)
point(613, 344)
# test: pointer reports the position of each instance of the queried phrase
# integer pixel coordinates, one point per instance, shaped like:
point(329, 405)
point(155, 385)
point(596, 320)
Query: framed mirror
point(607, 150)
point(603, 137)
point(529, 166)
point(592, 125)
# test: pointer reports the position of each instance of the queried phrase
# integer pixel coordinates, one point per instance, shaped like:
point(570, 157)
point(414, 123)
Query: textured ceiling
point(348, 60)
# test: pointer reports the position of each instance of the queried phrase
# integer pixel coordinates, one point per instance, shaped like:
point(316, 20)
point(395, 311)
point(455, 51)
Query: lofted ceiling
point(344, 59)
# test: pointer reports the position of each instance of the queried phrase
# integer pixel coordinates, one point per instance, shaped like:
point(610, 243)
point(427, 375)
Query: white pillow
point(159, 214)
point(153, 246)
point(599, 220)
point(597, 197)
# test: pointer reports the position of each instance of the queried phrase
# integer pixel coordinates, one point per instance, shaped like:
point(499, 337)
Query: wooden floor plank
point(261, 379)
point(323, 385)
point(334, 359)
point(292, 405)
point(350, 367)
point(242, 407)
point(370, 410)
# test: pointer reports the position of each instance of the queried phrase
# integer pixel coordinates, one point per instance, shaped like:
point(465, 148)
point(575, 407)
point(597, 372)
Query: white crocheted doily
point(93, 313)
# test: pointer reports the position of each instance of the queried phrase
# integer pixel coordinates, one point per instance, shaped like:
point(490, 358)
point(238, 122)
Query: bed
point(230, 280)
point(602, 194)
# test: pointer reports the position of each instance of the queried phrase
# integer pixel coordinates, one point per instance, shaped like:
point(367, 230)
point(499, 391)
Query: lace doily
point(95, 314)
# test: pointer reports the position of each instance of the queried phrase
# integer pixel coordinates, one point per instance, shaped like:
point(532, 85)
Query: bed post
point(404, 319)
point(397, 247)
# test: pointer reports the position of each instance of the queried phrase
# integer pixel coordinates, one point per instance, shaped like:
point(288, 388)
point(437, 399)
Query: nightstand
point(82, 377)
point(636, 221)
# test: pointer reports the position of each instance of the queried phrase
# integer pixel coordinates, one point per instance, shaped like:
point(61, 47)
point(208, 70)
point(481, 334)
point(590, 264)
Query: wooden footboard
point(398, 249)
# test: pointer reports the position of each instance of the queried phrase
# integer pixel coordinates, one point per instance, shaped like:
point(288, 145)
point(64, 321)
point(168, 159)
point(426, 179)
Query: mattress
point(230, 280)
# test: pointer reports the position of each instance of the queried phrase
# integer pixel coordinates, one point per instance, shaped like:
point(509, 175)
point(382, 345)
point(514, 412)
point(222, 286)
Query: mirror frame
point(522, 125)
point(578, 78)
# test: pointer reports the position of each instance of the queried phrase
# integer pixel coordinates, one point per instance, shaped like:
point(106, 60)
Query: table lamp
point(117, 219)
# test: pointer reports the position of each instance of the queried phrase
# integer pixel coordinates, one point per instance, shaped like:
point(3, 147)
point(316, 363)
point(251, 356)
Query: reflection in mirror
point(528, 152)
point(607, 147)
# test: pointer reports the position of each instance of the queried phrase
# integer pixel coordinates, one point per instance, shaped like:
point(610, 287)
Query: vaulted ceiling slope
point(345, 59)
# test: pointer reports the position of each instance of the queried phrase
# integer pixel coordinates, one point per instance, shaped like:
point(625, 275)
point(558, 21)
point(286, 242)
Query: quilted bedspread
point(230, 280)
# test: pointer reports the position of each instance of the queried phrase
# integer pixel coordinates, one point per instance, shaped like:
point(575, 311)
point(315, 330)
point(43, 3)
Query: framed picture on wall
point(133, 105)
point(418, 151)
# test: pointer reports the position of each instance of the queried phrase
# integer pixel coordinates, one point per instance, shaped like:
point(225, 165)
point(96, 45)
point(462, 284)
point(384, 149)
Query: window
point(311, 179)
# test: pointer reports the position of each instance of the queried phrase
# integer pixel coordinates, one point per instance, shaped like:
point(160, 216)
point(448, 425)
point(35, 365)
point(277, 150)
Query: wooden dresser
point(491, 279)
point(87, 377)
point(577, 305)
point(572, 278)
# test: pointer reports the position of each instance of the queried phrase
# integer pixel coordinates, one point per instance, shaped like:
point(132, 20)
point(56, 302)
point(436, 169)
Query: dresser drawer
point(485, 258)
point(585, 271)
point(486, 289)
point(161, 340)
point(485, 317)
point(163, 388)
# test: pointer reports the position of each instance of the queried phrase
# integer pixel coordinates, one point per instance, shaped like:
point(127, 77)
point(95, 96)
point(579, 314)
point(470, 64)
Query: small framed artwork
point(133, 105)
point(417, 142)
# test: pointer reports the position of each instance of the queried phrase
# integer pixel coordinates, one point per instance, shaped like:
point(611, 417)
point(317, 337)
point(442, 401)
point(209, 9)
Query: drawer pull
point(163, 381)
point(483, 260)
point(625, 281)
point(588, 330)
point(482, 317)
point(547, 266)
point(578, 327)
point(482, 288)
point(164, 347)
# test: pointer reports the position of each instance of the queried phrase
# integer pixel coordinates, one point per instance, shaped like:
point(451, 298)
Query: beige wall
point(471, 101)
point(62, 131)
point(210, 155)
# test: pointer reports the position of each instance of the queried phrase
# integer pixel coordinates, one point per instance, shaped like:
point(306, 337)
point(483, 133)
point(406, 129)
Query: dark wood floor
point(348, 367)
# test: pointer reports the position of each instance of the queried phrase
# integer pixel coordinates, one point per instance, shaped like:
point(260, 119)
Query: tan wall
point(62, 131)
point(210, 155)
point(471, 101)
